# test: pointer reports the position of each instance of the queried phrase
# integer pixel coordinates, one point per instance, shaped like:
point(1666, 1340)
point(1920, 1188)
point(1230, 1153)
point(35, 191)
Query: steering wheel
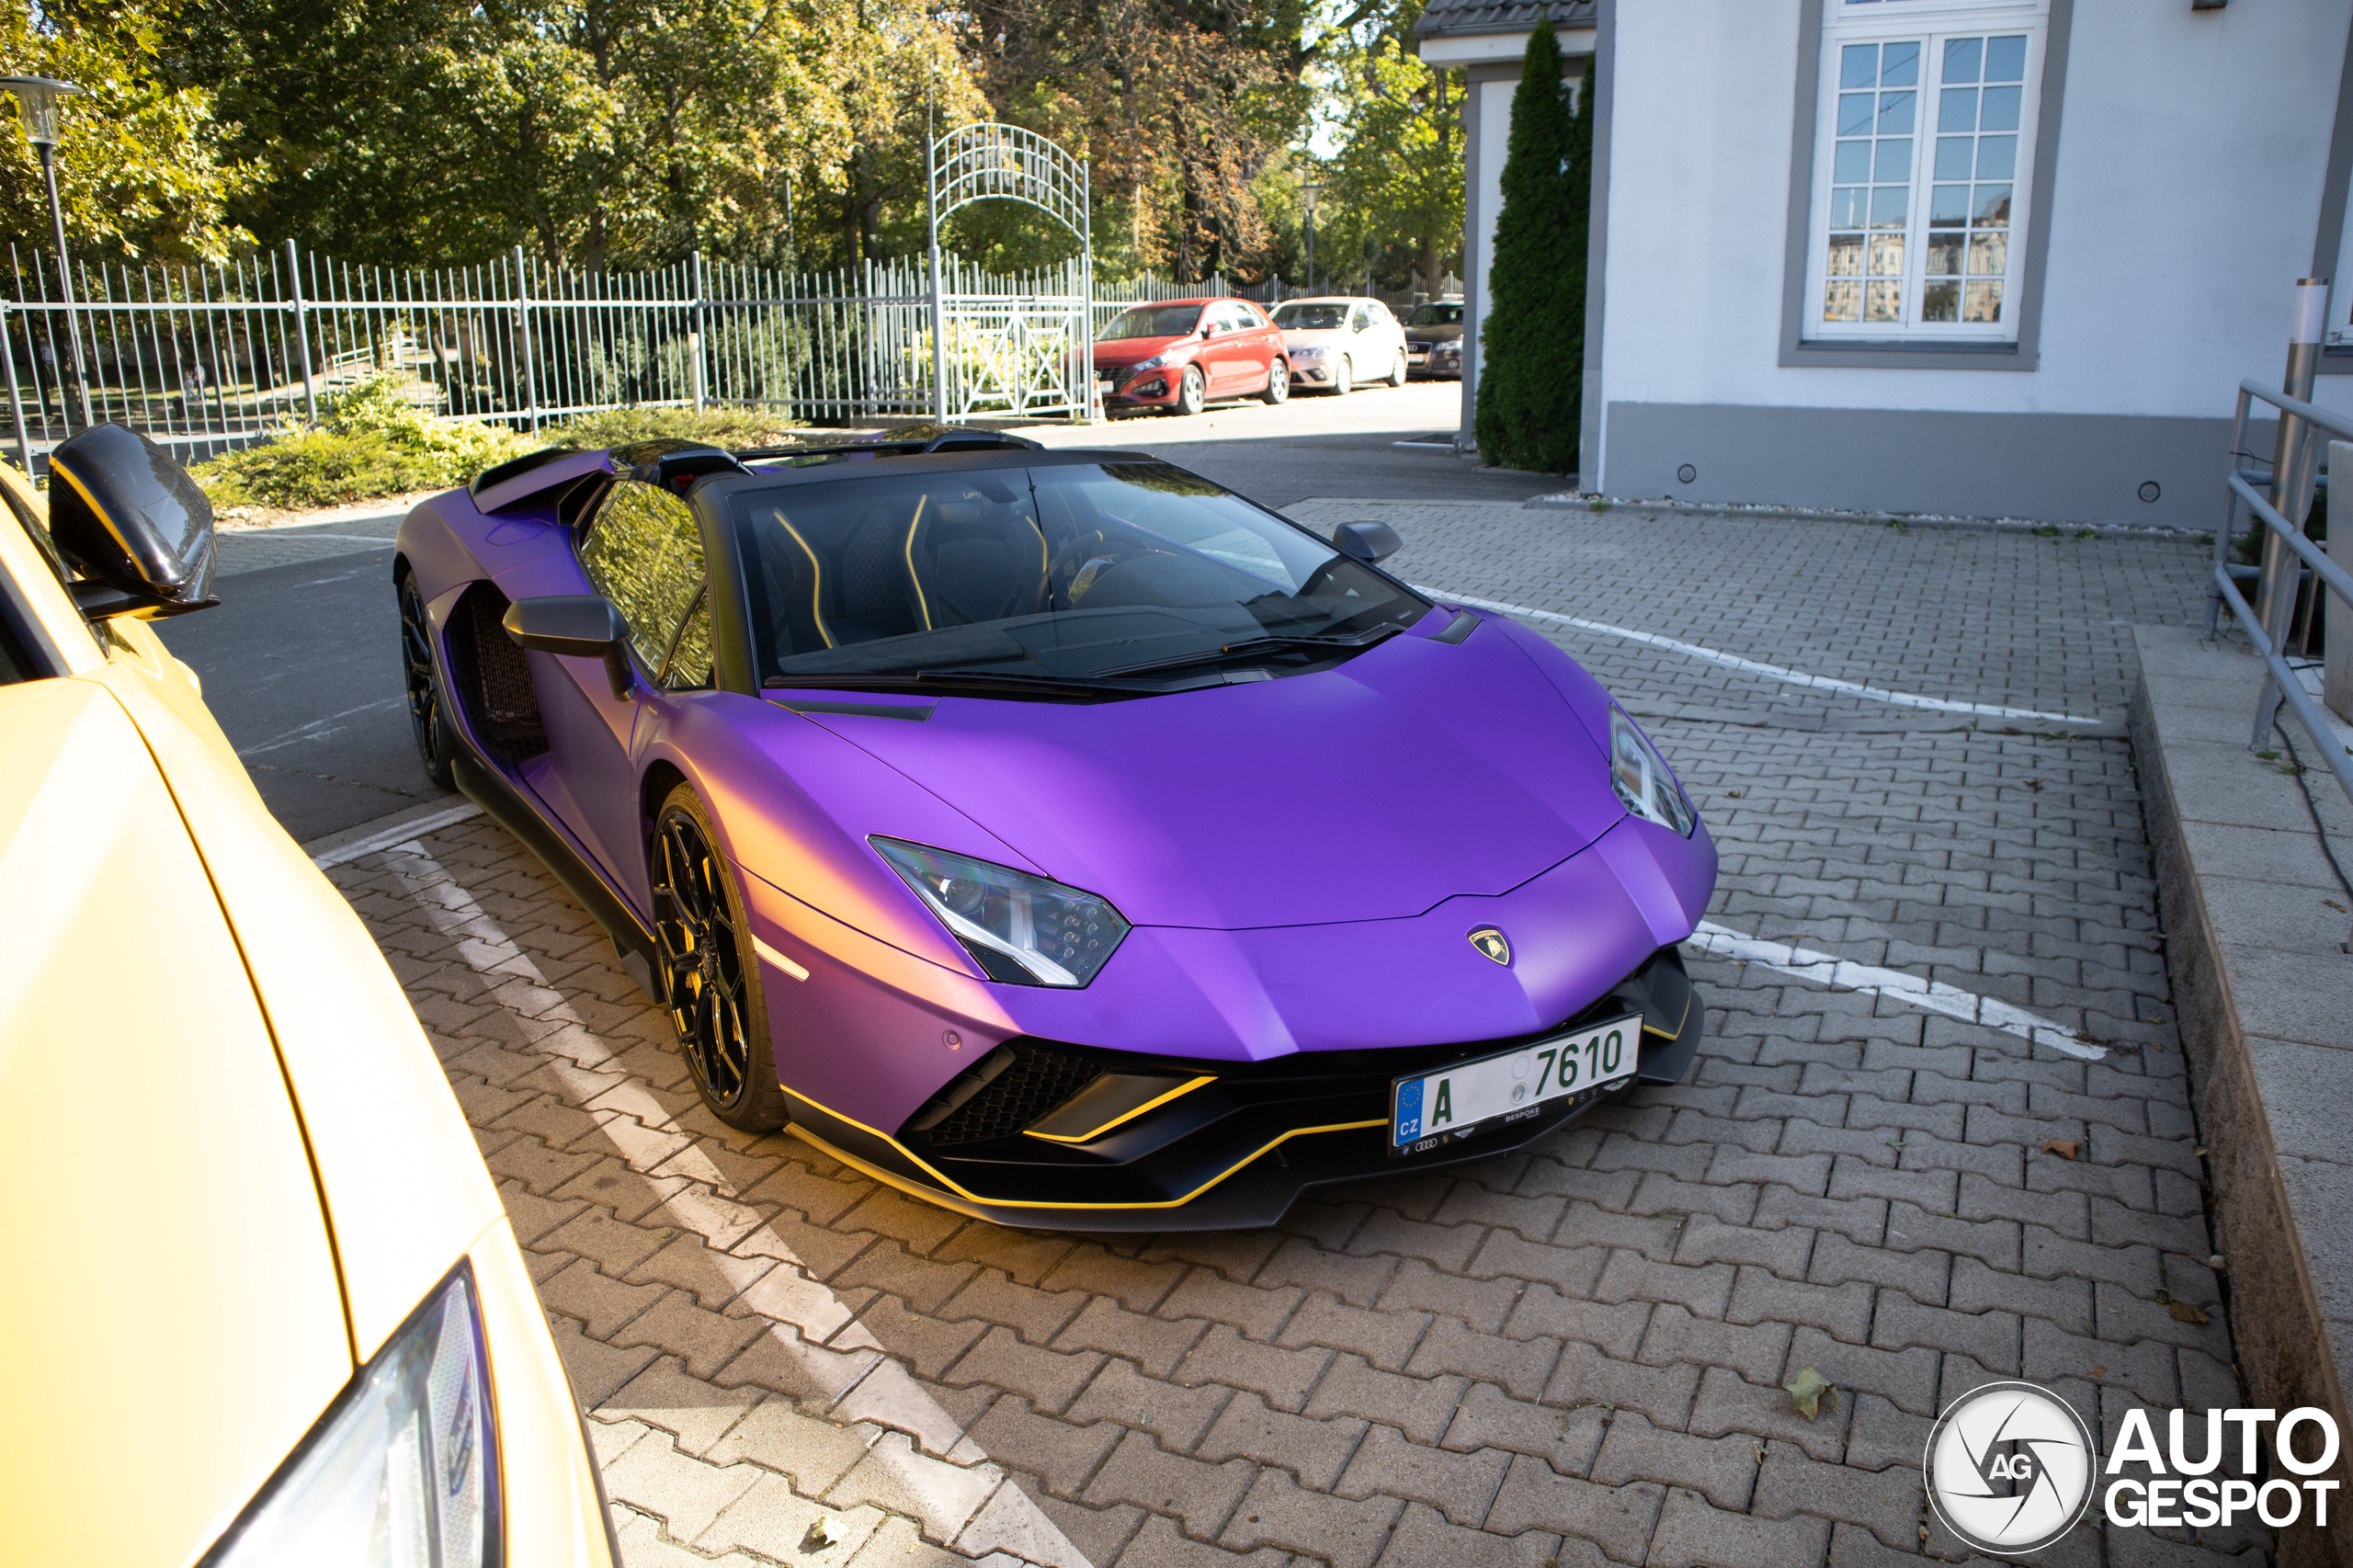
point(1072, 559)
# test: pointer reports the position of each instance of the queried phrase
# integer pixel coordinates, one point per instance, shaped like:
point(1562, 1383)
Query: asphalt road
point(300, 662)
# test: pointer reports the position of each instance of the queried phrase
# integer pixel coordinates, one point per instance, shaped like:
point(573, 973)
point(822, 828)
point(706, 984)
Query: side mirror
point(1372, 543)
point(1208, 330)
point(580, 626)
point(134, 522)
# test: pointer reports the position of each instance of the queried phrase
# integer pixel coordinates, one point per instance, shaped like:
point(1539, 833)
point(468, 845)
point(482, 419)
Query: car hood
point(1415, 772)
point(1293, 336)
point(1126, 351)
point(180, 1311)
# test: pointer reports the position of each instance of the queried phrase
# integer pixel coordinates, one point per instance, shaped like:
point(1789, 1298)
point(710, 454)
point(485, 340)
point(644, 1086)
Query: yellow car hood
point(174, 1325)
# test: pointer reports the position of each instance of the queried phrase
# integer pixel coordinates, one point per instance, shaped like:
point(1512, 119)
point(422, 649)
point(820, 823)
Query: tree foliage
point(146, 167)
point(1532, 364)
point(612, 134)
point(1393, 186)
point(597, 133)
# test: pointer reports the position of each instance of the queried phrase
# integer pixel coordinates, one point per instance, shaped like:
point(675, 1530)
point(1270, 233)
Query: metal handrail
point(2280, 678)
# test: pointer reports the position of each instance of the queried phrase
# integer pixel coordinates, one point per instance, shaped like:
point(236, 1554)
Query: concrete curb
point(2286, 1253)
point(394, 827)
point(1734, 512)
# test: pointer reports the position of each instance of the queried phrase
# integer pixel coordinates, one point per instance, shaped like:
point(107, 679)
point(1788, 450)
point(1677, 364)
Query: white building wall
point(2190, 158)
point(1486, 199)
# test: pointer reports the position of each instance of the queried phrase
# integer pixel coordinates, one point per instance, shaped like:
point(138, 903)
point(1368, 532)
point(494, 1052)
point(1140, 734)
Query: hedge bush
point(1531, 398)
point(372, 441)
point(375, 441)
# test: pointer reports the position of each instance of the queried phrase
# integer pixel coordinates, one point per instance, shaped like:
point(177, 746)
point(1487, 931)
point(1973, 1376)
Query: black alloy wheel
point(1278, 383)
point(436, 744)
point(712, 993)
point(1191, 391)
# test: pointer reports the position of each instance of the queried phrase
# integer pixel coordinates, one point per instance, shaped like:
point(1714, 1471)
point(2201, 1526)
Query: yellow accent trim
point(83, 491)
point(970, 1197)
point(1653, 1028)
point(816, 573)
point(923, 605)
point(1125, 1117)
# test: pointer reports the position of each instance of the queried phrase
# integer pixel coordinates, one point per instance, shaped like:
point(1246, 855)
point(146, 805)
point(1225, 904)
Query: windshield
point(1435, 316)
point(1065, 573)
point(1298, 317)
point(1153, 321)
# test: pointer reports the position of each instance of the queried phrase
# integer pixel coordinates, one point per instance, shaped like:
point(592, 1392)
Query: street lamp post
point(1310, 190)
point(37, 98)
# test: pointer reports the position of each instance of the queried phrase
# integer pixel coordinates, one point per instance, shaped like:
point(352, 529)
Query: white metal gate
point(1029, 354)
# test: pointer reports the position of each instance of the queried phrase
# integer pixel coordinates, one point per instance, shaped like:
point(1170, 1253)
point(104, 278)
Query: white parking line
point(1771, 671)
point(1930, 996)
point(992, 1520)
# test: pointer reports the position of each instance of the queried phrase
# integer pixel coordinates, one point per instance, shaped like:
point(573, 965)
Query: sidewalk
point(2257, 925)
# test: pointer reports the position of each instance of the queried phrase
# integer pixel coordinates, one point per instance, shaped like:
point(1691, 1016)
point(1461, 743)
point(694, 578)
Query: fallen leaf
point(1810, 1391)
point(2065, 1148)
point(2184, 1312)
point(2100, 1371)
point(827, 1532)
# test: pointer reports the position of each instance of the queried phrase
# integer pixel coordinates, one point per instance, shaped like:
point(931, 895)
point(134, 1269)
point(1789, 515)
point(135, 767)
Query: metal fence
point(204, 358)
point(2283, 574)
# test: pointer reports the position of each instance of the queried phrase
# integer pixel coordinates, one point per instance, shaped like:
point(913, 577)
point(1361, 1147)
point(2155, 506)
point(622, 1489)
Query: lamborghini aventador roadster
point(1057, 835)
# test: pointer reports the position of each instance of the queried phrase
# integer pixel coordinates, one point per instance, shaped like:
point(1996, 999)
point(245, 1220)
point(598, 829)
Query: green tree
point(1393, 186)
point(1531, 363)
point(143, 167)
point(599, 133)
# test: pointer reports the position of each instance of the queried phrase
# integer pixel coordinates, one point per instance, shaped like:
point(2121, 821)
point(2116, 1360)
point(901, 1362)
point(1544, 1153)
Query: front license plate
point(1417, 359)
point(1432, 1109)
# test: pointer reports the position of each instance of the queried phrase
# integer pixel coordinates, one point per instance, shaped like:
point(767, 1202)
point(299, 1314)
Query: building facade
point(1981, 257)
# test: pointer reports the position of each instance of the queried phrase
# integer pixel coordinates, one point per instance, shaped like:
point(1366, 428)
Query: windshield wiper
point(1250, 648)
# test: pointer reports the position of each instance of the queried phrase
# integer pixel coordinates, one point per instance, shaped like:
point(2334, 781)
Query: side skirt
point(632, 939)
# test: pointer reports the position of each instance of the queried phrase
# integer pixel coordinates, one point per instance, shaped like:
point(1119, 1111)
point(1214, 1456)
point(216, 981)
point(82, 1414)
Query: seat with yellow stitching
point(973, 560)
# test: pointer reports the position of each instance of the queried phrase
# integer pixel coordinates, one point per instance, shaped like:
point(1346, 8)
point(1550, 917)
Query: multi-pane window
point(1919, 191)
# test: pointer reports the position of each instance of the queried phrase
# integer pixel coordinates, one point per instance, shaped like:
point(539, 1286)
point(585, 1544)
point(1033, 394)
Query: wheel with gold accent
point(711, 972)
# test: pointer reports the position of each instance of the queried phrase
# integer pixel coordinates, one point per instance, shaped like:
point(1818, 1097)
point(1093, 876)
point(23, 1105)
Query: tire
point(1344, 377)
point(711, 984)
point(1191, 391)
point(428, 721)
point(1278, 383)
point(1397, 370)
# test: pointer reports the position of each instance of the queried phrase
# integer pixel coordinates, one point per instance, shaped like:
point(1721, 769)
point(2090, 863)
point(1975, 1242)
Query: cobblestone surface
point(1572, 1356)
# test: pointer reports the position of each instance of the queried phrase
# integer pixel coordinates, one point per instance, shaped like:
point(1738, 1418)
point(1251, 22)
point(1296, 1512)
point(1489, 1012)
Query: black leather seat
point(973, 560)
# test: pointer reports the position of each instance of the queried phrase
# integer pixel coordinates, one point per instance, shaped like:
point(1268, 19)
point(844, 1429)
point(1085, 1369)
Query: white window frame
point(1928, 22)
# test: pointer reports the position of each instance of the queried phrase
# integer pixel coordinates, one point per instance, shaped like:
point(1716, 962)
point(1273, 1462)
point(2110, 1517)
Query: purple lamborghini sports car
point(1057, 835)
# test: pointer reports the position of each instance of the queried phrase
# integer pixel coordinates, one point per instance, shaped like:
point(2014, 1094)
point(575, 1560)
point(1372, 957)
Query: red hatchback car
point(1180, 354)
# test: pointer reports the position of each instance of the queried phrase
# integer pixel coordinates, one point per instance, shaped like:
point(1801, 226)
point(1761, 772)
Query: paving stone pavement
point(1571, 1356)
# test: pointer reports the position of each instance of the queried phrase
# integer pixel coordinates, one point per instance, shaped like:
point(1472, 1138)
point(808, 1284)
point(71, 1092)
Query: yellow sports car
point(263, 1304)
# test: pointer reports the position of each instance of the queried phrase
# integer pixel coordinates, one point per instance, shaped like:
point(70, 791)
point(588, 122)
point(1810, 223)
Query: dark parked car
point(1434, 341)
point(1181, 354)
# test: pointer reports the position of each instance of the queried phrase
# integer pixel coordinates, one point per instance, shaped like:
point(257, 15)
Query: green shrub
point(372, 441)
point(1531, 363)
point(721, 424)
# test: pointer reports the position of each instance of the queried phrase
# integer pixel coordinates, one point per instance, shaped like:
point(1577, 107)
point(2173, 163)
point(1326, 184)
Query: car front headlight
point(1019, 928)
point(1642, 780)
point(1307, 351)
point(1159, 362)
point(402, 1472)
